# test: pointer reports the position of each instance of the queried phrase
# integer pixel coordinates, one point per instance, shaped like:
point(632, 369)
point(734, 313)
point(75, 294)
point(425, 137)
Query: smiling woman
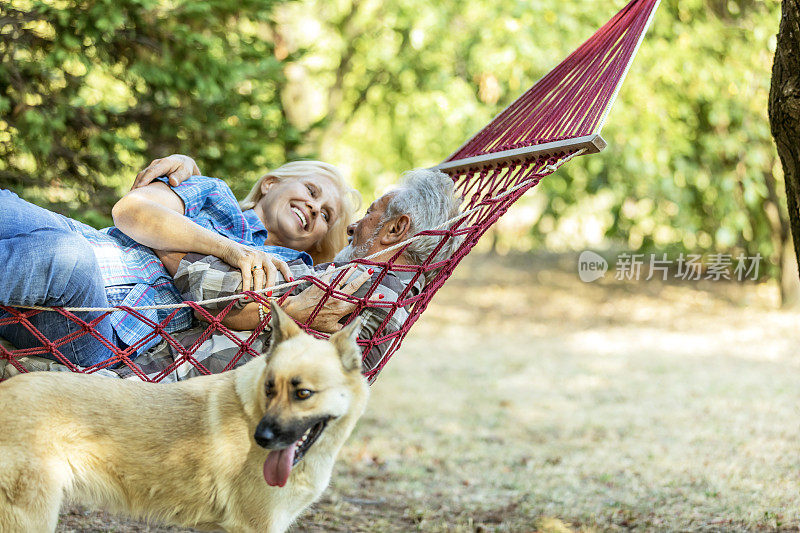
point(303, 206)
point(306, 205)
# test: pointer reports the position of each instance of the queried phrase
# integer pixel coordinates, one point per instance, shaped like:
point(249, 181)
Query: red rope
point(571, 99)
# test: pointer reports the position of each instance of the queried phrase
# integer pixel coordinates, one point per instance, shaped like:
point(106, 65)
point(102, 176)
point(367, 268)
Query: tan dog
point(212, 452)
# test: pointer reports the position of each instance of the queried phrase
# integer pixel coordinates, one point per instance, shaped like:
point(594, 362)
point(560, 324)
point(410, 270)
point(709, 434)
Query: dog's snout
point(265, 434)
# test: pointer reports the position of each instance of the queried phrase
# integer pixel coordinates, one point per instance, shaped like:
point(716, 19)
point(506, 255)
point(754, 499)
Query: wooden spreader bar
point(592, 143)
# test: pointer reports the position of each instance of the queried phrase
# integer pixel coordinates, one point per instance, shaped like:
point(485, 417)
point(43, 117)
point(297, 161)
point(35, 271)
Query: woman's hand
point(259, 269)
point(178, 168)
point(327, 320)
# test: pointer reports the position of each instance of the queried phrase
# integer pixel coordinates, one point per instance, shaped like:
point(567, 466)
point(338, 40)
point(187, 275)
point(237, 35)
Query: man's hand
point(176, 167)
point(259, 269)
point(327, 320)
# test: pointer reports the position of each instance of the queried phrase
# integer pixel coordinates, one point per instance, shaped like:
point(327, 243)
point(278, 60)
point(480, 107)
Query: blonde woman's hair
point(336, 237)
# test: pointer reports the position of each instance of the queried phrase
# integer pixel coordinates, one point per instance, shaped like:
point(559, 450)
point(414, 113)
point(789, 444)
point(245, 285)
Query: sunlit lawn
point(526, 399)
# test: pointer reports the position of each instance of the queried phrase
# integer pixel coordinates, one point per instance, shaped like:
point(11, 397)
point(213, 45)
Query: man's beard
point(350, 252)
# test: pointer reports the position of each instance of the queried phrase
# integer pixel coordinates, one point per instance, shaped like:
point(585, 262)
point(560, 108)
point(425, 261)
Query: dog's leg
point(284, 515)
point(279, 524)
point(273, 516)
point(30, 499)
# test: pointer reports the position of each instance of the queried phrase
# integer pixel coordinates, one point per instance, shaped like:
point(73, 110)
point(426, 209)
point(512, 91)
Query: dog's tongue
point(278, 466)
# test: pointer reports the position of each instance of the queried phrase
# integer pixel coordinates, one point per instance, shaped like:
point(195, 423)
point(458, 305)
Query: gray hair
point(428, 197)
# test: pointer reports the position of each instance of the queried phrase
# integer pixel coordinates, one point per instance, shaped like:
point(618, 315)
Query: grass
point(527, 400)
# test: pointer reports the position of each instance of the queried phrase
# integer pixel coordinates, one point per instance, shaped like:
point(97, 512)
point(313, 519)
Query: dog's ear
point(283, 327)
point(344, 341)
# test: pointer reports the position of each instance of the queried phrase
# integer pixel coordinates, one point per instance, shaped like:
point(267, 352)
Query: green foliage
point(690, 165)
point(91, 90)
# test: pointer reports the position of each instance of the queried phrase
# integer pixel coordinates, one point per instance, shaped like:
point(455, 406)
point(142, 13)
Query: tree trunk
point(784, 111)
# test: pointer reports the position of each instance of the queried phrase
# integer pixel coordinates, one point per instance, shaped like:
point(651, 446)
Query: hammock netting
point(559, 118)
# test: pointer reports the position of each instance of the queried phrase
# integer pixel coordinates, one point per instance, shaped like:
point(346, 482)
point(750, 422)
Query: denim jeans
point(46, 261)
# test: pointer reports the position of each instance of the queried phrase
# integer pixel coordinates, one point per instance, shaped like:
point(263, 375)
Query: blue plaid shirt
point(134, 276)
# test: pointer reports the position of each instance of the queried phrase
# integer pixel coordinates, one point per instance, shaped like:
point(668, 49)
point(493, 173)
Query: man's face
point(365, 233)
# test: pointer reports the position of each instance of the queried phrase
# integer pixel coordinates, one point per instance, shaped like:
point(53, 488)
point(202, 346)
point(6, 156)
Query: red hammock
point(560, 117)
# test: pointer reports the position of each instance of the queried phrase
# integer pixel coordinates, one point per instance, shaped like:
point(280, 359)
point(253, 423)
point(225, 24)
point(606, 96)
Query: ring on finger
point(256, 267)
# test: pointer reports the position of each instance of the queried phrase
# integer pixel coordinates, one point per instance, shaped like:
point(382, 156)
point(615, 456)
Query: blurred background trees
point(91, 90)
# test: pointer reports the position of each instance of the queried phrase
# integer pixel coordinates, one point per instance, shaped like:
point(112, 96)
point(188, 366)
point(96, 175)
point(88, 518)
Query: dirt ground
point(525, 399)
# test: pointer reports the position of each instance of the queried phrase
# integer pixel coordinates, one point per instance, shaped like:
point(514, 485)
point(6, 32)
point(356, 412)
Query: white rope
point(613, 98)
point(448, 223)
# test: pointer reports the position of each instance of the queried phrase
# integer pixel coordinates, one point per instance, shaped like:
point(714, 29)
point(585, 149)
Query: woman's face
point(298, 212)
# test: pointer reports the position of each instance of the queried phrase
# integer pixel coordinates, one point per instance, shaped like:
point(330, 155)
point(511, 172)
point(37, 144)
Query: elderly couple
point(179, 235)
